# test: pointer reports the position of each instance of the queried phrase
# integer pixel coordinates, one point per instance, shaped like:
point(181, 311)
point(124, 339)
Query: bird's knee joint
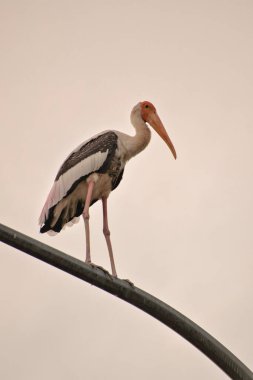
point(106, 232)
point(86, 216)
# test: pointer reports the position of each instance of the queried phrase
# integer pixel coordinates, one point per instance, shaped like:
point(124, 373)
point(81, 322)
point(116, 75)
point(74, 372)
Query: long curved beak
point(155, 122)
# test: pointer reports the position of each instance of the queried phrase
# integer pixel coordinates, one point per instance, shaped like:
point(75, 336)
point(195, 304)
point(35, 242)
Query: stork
point(93, 170)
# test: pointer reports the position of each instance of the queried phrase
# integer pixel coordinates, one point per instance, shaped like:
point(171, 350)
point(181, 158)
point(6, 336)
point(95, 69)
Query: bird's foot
point(129, 282)
point(101, 268)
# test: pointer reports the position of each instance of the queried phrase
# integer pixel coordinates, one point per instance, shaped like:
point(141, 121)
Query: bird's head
point(149, 115)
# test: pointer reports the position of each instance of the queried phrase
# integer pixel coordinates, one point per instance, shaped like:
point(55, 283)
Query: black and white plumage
point(93, 170)
point(66, 200)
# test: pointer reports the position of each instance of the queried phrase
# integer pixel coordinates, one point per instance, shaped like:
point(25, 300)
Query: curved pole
point(214, 350)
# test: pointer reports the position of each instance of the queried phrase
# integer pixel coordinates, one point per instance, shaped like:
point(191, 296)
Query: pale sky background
point(181, 230)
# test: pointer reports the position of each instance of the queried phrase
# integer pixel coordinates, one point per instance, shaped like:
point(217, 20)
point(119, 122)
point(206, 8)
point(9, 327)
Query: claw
point(129, 282)
point(103, 270)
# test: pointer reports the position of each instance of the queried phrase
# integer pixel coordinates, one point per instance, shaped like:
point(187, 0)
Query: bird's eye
point(146, 106)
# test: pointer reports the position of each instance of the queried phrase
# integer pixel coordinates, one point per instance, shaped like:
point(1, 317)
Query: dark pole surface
point(208, 345)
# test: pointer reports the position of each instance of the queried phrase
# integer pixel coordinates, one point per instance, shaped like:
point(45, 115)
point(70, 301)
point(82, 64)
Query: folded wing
point(92, 156)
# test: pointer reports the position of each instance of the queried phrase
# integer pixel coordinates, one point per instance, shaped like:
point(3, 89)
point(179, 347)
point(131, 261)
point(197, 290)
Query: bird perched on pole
point(93, 170)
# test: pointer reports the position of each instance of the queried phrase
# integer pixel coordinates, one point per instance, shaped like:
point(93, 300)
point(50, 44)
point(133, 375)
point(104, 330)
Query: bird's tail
point(62, 214)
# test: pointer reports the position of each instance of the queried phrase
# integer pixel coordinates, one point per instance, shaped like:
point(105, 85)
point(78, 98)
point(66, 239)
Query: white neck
point(135, 144)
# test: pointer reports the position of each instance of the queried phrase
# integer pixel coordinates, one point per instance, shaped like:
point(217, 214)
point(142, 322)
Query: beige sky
point(181, 230)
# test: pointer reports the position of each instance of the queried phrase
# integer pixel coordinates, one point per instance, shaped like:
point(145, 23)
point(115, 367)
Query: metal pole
point(214, 350)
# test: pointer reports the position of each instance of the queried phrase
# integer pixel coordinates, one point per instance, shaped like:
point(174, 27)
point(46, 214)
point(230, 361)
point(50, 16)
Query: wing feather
point(91, 156)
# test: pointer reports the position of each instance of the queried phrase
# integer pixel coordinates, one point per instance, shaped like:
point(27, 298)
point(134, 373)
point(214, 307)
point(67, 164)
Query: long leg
point(107, 233)
point(86, 217)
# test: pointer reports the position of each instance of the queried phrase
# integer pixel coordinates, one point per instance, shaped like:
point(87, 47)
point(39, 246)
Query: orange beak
point(154, 120)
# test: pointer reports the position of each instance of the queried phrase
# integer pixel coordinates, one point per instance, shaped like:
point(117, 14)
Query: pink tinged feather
point(52, 233)
point(73, 221)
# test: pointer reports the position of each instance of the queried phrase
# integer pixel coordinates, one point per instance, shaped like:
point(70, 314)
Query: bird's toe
point(129, 282)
